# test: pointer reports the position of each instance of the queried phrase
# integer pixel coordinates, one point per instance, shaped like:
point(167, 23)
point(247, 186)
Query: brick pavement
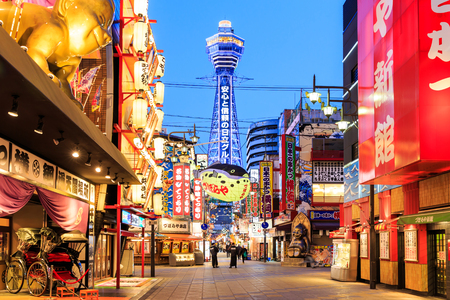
point(256, 280)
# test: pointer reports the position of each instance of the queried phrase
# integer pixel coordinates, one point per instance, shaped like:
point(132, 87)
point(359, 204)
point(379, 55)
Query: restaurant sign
point(173, 226)
point(72, 184)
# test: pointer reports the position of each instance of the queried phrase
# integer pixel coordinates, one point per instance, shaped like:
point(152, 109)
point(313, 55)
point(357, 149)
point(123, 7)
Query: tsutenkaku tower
point(224, 50)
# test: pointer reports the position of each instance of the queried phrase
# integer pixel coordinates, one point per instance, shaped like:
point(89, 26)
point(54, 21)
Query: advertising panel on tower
point(404, 87)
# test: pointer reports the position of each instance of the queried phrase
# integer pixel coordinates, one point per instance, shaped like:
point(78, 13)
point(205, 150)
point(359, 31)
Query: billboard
point(181, 189)
point(403, 89)
point(288, 173)
point(266, 181)
point(198, 201)
point(225, 95)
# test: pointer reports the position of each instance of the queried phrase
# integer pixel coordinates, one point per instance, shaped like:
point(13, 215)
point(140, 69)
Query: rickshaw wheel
point(15, 276)
point(37, 279)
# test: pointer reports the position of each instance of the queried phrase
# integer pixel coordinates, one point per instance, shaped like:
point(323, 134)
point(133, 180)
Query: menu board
point(384, 244)
point(185, 248)
point(363, 245)
point(166, 248)
point(176, 247)
point(411, 245)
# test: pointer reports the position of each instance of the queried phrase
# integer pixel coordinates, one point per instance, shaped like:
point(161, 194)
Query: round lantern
point(159, 148)
point(139, 112)
point(161, 66)
point(226, 182)
point(158, 207)
point(140, 7)
point(140, 40)
point(159, 92)
point(137, 195)
point(141, 75)
point(160, 115)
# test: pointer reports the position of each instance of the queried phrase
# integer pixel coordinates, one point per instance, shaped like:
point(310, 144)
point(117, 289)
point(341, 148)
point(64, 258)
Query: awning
point(325, 225)
point(178, 236)
point(38, 95)
point(359, 229)
point(426, 217)
point(380, 226)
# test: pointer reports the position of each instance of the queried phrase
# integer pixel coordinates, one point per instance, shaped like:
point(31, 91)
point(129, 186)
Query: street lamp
point(329, 110)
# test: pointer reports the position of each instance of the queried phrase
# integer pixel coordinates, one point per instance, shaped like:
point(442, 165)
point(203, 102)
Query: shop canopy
point(425, 217)
point(39, 96)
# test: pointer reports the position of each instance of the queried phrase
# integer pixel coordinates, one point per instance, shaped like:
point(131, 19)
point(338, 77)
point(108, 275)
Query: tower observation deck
point(225, 50)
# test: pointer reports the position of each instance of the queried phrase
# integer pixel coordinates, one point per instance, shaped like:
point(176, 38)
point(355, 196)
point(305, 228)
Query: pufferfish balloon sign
point(226, 182)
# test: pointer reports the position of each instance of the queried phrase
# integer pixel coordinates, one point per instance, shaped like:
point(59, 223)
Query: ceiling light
point(108, 176)
point(76, 152)
point(15, 106)
point(115, 178)
point(40, 125)
point(98, 169)
point(88, 162)
point(60, 139)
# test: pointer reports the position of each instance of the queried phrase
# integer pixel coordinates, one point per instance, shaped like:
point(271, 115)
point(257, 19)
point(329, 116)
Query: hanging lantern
point(138, 192)
point(159, 92)
point(161, 66)
point(140, 40)
point(139, 112)
point(158, 207)
point(140, 7)
point(328, 110)
point(342, 125)
point(159, 173)
point(160, 115)
point(141, 75)
point(159, 148)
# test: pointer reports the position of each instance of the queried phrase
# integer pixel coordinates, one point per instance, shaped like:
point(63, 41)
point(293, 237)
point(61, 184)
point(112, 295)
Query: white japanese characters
point(225, 124)
point(384, 138)
point(383, 12)
point(384, 80)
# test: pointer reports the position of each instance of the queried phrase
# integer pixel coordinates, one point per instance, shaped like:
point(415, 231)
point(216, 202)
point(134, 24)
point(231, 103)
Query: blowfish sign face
point(226, 182)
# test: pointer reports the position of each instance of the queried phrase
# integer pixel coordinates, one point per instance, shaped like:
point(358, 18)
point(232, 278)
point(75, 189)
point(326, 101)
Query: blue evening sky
point(286, 42)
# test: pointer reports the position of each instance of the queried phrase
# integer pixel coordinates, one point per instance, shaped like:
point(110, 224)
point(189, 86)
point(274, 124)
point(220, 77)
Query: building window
point(355, 74)
point(355, 151)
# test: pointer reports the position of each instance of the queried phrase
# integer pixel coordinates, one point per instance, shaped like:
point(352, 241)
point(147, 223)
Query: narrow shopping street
point(256, 280)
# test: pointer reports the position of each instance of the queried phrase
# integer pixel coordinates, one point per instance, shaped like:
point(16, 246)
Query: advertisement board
point(266, 181)
point(198, 201)
point(403, 89)
point(288, 173)
point(225, 95)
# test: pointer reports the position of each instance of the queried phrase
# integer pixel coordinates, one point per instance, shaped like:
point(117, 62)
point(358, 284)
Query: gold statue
point(57, 38)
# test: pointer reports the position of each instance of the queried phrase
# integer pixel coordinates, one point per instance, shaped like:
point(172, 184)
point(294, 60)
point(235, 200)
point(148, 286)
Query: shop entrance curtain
point(14, 194)
point(69, 213)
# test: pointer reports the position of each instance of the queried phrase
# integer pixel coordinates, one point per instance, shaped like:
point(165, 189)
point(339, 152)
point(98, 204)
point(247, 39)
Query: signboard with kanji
point(403, 89)
point(288, 173)
point(198, 200)
point(266, 182)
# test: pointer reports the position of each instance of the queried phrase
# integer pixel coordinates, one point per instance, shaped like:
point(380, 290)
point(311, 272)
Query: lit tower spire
point(224, 51)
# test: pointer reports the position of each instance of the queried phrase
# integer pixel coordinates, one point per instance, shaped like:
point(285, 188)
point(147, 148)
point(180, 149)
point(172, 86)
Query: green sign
point(425, 218)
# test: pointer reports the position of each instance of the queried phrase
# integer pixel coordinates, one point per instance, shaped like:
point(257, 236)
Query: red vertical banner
point(254, 200)
point(178, 189)
point(187, 189)
point(198, 199)
point(266, 182)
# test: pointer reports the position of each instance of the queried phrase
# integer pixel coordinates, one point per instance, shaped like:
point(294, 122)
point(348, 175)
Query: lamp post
point(329, 110)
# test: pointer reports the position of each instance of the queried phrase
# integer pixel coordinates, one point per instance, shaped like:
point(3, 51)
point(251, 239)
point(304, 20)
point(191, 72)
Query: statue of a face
point(87, 24)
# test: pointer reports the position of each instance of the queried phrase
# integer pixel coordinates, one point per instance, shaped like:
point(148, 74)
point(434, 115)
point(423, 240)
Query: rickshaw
point(36, 261)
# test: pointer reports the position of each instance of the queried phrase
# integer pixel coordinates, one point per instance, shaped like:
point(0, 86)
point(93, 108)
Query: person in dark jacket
point(238, 248)
point(244, 254)
point(233, 252)
point(228, 250)
point(214, 250)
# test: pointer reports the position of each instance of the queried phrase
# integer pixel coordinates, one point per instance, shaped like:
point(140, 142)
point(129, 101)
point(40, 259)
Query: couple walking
point(236, 252)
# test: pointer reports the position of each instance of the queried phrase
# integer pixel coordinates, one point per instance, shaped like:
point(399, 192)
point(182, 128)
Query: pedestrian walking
point(238, 249)
point(214, 250)
point(244, 254)
point(233, 252)
point(228, 250)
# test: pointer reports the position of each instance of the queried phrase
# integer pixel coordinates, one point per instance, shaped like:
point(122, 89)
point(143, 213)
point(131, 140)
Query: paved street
point(256, 280)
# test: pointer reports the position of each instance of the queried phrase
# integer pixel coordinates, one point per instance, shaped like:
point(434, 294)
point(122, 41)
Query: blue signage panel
point(324, 215)
point(126, 217)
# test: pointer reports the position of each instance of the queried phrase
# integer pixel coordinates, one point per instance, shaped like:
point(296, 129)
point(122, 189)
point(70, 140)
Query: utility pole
point(152, 255)
point(373, 245)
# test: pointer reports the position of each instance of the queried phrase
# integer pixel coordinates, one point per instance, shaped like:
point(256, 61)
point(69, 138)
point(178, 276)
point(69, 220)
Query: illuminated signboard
point(181, 189)
point(288, 173)
point(404, 87)
point(266, 173)
point(225, 120)
point(198, 200)
point(126, 217)
point(329, 193)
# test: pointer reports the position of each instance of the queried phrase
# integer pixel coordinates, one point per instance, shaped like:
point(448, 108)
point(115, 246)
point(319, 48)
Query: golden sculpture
point(57, 38)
